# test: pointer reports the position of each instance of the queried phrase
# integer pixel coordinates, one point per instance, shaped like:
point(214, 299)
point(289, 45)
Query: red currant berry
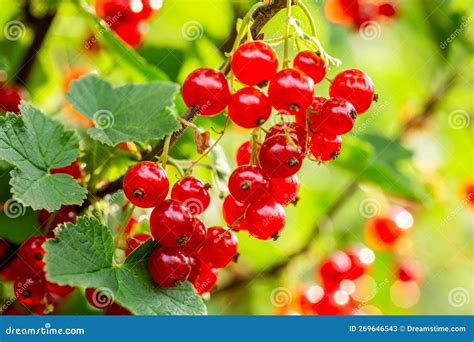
point(169, 267)
point(325, 147)
point(99, 298)
point(290, 91)
point(337, 116)
point(197, 239)
point(32, 252)
point(249, 108)
point(254, 63)
point(192, 193)
point(15, 268)
point(171, 224)
point(361, 259)
point(334, 303)
point(382, 232)
point(29, 290)
point(247, 183)
point(129, 31)
point(195, 265)
point(244, 153)
point(9, 99)
point(284, 190)
point(386, 9)
point(146, 184)
point(311, 64)
point(219, 249)
point(73, 169)
point(279, 158)
point(145, 9)
point(295, 131)
point(311, 119)
point(334, 269)
point(207, 91)
point(66, 213)
point(135, 241)
point(265, 219)
point(130, 225)
point(233, 212)
point(354, 86)
point(409, 270)
point(117, 310)
point(206, 280)
point(59, 290)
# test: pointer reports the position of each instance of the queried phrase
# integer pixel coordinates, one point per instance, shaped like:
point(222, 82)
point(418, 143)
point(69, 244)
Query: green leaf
point(34, 144)
point(82, 255)
point(378, 160)
point(133, 112)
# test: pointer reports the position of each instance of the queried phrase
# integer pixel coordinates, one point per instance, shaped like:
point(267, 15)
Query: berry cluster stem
point(286, 59)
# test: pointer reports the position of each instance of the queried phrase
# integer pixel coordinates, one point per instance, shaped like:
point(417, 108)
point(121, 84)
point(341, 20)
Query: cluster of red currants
point(10, 97)
point(125, 16)
point(358, 12)
point(187, 251)
point(262, 184)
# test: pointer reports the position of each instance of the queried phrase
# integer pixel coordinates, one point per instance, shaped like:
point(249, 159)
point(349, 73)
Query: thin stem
point(245, 23)
point(253, 156)
point(308, 15)
point(286, 60)
point(166, 148)
point(129, 208)
point(177, 166)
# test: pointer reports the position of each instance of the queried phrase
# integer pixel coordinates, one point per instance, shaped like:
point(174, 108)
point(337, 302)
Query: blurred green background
point(409, 60)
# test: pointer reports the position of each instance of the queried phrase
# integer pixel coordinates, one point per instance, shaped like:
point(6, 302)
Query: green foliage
point(133, 112)
point(34, 144)
point(129, 283)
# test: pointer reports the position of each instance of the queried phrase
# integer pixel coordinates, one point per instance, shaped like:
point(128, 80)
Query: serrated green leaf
point(34, 144)
point(82, 255)
point(376, 159)
point(133, 112)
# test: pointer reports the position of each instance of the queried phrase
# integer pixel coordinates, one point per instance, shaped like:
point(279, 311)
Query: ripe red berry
point(334, 303)
point(9, 99)
point(29, 290)
point(337, 116)
point(145, 9)
point(290, 91)
point(195, 265)
point(325, 147)
point(134, 241)
point(249, 108)
point(219, 249)
point(295, 131)
point(192, 193)
point(311, 64)
point(32, 252)
point(334, 269)
point(354, 86)
point(129, 31)
point(169, 267)
point(386, 9)
point(280, 158)
point(409, 270)
point(254, 63)
point(265, 219)
point(73, 169)
point(311, 119)
point(67, 213)
point(146, 184)
point(59, 290)
point(98, 298)
point(207, 91)
point(206, 279)
point(116, 310)
point(284, 190)
point(361, 259)
point(247, 183)
point(171, 224)
point(130, 225)
point(244, 153)
point(382, 232)
point(233, 212)
point(197, 239)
